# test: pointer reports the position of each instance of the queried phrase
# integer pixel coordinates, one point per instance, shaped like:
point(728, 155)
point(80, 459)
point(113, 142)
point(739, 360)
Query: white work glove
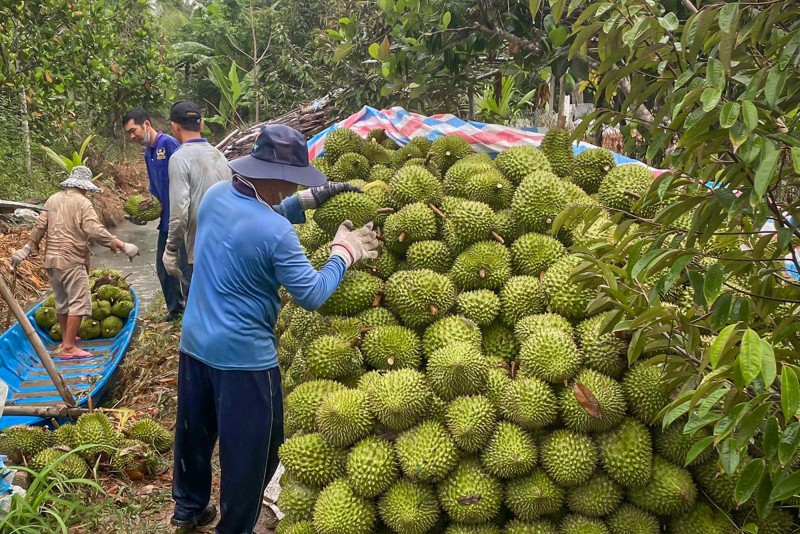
point(170, 259)
point(130, 250)
point(354, 245)
point(19, 256)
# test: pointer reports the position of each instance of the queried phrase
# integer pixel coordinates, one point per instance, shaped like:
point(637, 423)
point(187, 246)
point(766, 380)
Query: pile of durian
point(97, 441)
point(459, 383)
point(112, 304)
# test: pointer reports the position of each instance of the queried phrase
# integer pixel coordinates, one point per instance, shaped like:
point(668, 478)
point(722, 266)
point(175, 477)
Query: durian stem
point(482, 272)
point(634, 196)
point(390, 360)
point(401, 237)
point(382, 211)
point(377, 300)
point(497, 237)
point(433, 310)
point(364, 329)
point(437, 211)
point(355, 342)
point(514, 367)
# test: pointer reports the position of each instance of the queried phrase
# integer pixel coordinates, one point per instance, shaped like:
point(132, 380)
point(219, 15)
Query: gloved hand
point(19, 256)
point(170, 259)
point(147, 202)
point(135, 220)
point(313, 198)
point(354, 245)
point(130, 250)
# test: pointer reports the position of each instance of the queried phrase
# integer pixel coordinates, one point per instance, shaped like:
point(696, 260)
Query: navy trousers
point(245, 410)
point(174, 290)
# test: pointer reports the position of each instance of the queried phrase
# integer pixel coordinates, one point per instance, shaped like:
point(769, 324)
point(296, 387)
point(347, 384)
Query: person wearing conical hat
point(67, 224)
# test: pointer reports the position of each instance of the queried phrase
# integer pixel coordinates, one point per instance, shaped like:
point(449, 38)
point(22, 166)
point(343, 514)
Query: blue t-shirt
point(244, 251)
point(156, 158)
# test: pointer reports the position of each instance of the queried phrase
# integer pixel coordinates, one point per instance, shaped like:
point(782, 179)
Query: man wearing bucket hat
point(229, 385)
point(67, 224)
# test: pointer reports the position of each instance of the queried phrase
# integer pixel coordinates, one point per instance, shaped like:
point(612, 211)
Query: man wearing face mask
point(158, 150)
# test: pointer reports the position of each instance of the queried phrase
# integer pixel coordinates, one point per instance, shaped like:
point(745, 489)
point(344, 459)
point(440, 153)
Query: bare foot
point(74, 354)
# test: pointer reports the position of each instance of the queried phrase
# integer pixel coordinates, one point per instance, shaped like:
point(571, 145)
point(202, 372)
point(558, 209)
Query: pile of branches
point(309, 120)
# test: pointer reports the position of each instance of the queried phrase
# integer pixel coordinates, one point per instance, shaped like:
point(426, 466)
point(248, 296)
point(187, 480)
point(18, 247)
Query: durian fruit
point(591, 167)
point(480, 306)
point(409, 508)
point(483, 528)
point(671, 490)
point(530, 324)
point(399, 399)
point(413, 223)
point(310, 235)
point(624, 186)
point(537, 527)
point(378, 134)
point(419, 297)
point(100, 309)
point(674, 445)
point(148, 431)
point(296, 499)
point(376, 153)
point(529, 402)
point(608, 394)
point(372, 467)
point(496, 381)
point(66, 436)
point(568, 458)
point(457, 177)
point(717, 484)
point(533, 253)
point(359, 208)
point(626, 454)
point(132, 206)
point(349, 167)
point(778, 521)
point(521, 296)
point(96, 429)
point(538, 200)
point(518, 162)
point(355, 294)
point(448, 149)
point(603, 353)
point(598, 497)
point(420, 143)
point(413, 184)
point(701, 520)
point(108, 292)
point(50, 301)
point(332, 357)
point(467, 222)
point(302, 403)
point(557, 146)
point(134, 455)
point(484, 265)
point(426, 164)
point(25, 440)
point(45, 317)
point(339, 510)
point(375, 317)
point(427, 452)
point(632, 520)
point(111, 326)
point(567, 297)
point(499, 342)
point(343, 418)
point(312, 460)
point(405, 154)
point(452, 329)
point(301, 527)
point(576, 524)
point(469, 494)
point(645, 391)
point(55, 333)
point(392, 347)
point(70, 467)
point(550, 354)
point(510, 453)
point(506, 227)
point(380, 173)
point(484, 184)
point(471, 421)
point(457, 369)
point(533, 496)
point(433, 255)
point(339, 142)
point(121, 309)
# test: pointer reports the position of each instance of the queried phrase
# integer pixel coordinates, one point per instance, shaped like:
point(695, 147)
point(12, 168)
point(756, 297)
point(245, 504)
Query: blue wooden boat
point(28, 381)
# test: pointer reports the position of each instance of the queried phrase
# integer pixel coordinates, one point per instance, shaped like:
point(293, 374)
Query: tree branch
point(688, 4)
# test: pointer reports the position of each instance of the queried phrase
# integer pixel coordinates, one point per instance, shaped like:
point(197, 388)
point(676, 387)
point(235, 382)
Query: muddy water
point(142, 270)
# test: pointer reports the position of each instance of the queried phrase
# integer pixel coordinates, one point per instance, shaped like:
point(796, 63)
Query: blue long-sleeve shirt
point(244, 251)
point(156, 158)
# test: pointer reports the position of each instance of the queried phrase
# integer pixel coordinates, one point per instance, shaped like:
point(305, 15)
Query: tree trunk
point(26, 133)
point(562, 118)
point(255, 61)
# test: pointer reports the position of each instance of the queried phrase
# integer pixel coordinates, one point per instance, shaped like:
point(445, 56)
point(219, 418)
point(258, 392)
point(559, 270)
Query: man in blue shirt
point(229, 383)
point(158, 148)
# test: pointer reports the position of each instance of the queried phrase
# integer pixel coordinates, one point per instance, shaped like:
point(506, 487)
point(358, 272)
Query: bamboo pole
point(38, 346)
point(44, 411)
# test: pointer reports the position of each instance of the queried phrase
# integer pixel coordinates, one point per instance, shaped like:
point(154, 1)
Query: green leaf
point(446, 18)
point(533, 5)
point(750, 115)
point(669, 22)
point(384, 52)
point(796, 159)
point(559, 35)
point(697, 449)
point(790, 392)
point(342, 51)
point(713, 282)
point(787, 448)
point(788, 487)
point(750, 356)
point(557, 9)
point(727, 17)
point(766, 170)
point(748, 480)
point(728, 114)
point(771, 439)
point(776, 80)
point(697, 281)
point(751, 422)
point(373, 50)
point(715, 74)
point(721, 309)
point(738, 136)
point(768, 367)
point(763, 502)
point(784, 238)
point(710, 98)
point(729, 456)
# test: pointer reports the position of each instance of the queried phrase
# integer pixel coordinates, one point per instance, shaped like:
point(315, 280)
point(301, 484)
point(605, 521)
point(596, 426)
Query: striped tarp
point(402, 125)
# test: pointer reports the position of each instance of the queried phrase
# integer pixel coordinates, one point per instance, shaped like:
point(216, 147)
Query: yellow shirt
point(69, 225)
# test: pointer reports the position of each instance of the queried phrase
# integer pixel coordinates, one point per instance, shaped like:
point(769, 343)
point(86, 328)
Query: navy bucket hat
point(279, 153)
